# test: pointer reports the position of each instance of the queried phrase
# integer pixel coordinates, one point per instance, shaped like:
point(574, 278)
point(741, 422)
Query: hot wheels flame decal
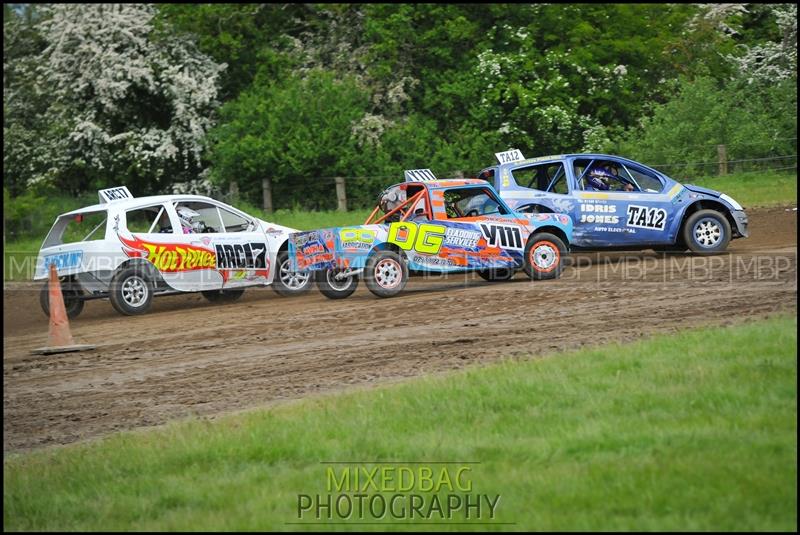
point(239, 261)
point(170, 257)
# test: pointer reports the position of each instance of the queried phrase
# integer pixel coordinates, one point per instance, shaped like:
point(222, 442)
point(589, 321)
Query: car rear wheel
point(707, 232)
point(496, 274)
point(385, 274)
point(72, 301)
point(333, 288)
point(131, 291)
point(223, 296)
point(544, 256)
point(287, 282)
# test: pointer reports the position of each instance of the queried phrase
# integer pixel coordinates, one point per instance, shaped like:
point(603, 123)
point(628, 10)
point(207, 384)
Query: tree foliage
point(113, 98)
point(99, 94)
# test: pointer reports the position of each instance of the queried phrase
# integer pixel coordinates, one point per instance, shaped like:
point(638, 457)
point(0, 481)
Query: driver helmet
point(189, 220)
point(391, 198)
point(598, 177)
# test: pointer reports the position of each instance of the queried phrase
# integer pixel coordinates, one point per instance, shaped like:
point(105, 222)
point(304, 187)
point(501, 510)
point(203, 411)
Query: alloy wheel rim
point(544, 256)
point(134, 291)
point(388, 273)
point(294, 280)
point(338, 285)
point(707, 232)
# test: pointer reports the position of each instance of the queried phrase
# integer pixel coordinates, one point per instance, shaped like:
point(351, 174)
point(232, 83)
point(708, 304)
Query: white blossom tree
point(127, 103)
point(772, 61)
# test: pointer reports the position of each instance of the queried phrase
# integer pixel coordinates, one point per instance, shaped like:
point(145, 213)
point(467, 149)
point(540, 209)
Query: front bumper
point(740, 218)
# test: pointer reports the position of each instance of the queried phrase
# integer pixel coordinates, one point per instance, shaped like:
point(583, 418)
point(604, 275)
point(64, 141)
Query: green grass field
point(691, 431)
point(755, 188)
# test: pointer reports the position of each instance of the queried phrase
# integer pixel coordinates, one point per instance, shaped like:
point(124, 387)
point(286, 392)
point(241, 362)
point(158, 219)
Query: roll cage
point(405, 209)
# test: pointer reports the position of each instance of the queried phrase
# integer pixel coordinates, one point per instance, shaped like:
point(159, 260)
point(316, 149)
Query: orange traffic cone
point(60, 338)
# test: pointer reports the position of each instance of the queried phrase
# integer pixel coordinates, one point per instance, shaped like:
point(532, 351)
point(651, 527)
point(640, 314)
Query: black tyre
point(707, 232)
point(544, 256)
point(131, 291)
point(497, 274)
point(72, 301)
point(223, 296)
point(335, 289)
point(385, 273)
point(287, 282)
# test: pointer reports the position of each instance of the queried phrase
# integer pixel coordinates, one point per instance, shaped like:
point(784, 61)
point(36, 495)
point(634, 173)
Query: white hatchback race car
point(131, 249)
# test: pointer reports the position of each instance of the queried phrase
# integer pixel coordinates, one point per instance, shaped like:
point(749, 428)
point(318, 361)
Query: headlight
point(730, 201)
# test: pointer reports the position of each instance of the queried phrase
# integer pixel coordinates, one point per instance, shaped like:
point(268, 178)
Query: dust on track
point(189, 357)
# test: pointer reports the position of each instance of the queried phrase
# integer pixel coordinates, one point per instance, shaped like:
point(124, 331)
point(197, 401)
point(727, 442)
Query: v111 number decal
point(649, 218)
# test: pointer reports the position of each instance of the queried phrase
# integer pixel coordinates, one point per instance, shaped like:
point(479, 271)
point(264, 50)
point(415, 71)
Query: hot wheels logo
point(170, 257)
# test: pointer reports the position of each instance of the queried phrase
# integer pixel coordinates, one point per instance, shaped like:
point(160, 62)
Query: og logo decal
point(424, 238)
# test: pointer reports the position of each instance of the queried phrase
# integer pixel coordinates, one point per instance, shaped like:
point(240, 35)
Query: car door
point(152, 233)
point(238, 245)
point(617, 217)
point(482, 229)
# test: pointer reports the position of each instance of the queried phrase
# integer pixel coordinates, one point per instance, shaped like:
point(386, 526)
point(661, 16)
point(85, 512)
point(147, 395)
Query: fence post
point(341, 194)
point(266, 186)
point(722, 157)
point(233, 193)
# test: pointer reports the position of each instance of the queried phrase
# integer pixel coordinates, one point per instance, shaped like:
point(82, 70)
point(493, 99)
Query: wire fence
point(679, 170)
point(360, 191)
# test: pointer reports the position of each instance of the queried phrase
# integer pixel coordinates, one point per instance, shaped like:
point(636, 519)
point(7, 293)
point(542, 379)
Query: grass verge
point(691, 431)
point(757, 188)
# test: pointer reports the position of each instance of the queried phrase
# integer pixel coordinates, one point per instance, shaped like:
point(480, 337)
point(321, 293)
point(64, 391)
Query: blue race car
point(617, 203)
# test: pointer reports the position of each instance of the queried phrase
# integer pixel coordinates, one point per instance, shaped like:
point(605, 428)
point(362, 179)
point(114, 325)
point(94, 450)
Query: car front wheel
point(544, 256)
point(131, 292)
point(287, 282)
point(707, 232)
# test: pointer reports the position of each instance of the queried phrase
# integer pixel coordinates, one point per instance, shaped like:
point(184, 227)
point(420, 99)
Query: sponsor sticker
point(648, 218)
point(505, 236)
point(67, 260)
point(599, 213)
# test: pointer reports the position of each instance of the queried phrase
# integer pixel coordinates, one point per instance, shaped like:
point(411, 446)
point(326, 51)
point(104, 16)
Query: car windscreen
point(75, 228)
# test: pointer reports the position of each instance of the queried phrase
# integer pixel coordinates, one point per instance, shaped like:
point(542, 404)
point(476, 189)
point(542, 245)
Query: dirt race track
point(189, 357)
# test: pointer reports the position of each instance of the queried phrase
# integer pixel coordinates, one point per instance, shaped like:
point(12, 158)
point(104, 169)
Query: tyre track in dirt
point(188, 357)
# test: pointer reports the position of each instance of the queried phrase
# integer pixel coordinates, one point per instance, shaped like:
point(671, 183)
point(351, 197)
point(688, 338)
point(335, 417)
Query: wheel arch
point(386, 246)
point(552, 230)
point(153, 274)
point(706, 204)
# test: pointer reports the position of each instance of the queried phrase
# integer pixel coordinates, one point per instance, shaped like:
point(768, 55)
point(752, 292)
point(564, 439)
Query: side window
point(537, 176)
point(559, 185)
point(148, 219)
point(647, 182)
point(579, 167)
point(234, 222)
point(471, 202)
point(198, 217)
point(88, 226)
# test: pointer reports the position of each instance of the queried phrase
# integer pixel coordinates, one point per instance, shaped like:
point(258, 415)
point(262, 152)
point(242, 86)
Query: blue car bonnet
point(698, 189)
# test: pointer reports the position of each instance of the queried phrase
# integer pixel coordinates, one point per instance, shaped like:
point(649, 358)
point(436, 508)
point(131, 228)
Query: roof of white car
point(124, 204)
